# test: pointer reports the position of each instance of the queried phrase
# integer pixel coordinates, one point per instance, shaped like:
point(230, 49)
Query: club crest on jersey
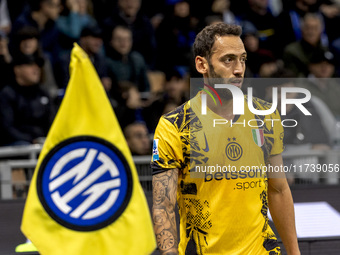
point(233, 150)
point(84, 183)
point(155, 152)
point(258, 136)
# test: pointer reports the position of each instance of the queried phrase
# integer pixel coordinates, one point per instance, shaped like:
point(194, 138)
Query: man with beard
point(217, 173)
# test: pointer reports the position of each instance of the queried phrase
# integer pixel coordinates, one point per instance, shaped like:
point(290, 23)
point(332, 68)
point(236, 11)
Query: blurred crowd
point(142, 51)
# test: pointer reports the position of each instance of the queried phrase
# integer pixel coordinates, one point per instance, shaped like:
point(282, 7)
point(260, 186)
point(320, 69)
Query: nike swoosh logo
point(206, 149)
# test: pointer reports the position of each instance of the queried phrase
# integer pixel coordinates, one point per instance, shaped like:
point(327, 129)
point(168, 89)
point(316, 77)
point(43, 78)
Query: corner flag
point(85, 196)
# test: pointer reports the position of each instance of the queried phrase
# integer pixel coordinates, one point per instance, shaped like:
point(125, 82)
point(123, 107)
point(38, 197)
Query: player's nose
point(238, 69)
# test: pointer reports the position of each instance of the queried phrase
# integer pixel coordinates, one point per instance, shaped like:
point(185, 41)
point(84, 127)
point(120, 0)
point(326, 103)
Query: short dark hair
point(91, 30)
point(206, 38)
point(35, 5)
point(21, 59)
point(26, 32)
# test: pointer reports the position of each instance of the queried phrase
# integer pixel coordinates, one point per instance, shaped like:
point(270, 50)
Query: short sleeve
point(166, 150)
point(278, 133)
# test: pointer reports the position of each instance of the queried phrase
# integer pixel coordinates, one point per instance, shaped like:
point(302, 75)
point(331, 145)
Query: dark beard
point(214, 78)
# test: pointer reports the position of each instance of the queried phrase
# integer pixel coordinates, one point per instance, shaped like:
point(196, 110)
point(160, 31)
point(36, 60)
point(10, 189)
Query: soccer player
point(221, 212)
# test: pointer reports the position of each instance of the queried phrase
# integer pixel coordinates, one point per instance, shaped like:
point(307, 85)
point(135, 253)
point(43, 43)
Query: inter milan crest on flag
point(85, 183)
point(85, 197)
point(258, 136)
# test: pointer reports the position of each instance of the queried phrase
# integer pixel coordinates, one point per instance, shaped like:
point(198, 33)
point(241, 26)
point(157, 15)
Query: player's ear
point(201, 65)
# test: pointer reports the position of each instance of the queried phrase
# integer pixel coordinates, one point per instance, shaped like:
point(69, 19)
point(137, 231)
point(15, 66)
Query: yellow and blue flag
point(85, 196)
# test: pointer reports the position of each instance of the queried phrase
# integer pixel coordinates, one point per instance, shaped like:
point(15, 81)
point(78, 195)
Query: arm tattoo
point(164, 187)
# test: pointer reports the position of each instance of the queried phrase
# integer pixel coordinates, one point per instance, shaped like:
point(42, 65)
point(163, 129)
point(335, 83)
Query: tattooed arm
point(164, 187)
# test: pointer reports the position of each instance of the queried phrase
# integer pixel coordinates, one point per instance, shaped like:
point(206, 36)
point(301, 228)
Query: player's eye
point(243, 59)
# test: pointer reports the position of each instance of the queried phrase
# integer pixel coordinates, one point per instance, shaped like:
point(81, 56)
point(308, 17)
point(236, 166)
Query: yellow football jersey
point(222, 185)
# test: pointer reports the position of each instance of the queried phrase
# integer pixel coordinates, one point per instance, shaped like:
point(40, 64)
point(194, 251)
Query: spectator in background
point(268, 65)
point(76, 15)
point(330, 11)
point(25, 108)
point(175, 94)
point(319, 81)
point(42, 16)
point(123, 63)
point(137, 138)
point(92, 43)
point(291, 18)
point(297, 55)
point(222, 7)
point(321, 65)
point(256, 56)
point(130, 106)
point(5, 59)
point(26, 42)
point(175, 37)
point(129, 15)
point(265, 23)
point(261, 63)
